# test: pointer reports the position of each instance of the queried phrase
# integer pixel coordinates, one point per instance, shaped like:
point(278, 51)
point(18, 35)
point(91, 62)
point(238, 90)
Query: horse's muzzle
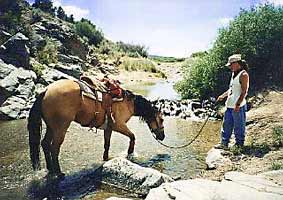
point(159, 133)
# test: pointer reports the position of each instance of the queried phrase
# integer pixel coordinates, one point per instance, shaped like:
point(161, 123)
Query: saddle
point(109, 90)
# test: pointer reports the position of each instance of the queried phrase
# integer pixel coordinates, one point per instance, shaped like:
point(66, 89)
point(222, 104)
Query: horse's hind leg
point(58, 138)
point(46, 144)
point(107, 137)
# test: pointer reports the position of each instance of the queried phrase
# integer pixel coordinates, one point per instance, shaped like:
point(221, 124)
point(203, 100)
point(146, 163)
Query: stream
point(82, 150)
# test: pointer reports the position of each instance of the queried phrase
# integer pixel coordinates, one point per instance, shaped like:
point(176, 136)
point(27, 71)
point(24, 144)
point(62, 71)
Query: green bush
point(88, 30)
point(257, 35)
point(48, 54)
point(277, 134)
point(10, 13)
point(132, 50)
point(165, 59)
point(44, 5)
point(138, 64)
point(276, 166)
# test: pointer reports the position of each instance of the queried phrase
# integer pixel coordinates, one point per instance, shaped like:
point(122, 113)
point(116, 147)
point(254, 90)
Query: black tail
point(34, 128)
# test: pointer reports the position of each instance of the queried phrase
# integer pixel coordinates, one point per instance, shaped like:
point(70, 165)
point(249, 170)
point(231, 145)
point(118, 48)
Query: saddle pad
point(99, 96)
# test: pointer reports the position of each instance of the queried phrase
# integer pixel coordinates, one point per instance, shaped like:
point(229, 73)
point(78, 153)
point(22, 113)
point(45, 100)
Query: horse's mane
point(144, 108)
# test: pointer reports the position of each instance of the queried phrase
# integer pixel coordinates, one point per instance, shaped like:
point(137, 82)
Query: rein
point(187, 144)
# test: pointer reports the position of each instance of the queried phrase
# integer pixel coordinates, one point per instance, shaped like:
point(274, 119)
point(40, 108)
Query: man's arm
point(222, 96)
point(244, 80)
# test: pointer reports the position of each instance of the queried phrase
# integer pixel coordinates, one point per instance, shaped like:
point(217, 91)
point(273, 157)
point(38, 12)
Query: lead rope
point(190, 142)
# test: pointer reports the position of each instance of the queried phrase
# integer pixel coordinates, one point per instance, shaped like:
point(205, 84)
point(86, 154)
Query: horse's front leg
point(125, 131)
point(107, 137)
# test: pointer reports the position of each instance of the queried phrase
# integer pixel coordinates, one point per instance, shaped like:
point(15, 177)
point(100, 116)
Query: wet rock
point(196, 105)
point(129, 176)
point(236, 185)
point(15, 51)
point(215, 159)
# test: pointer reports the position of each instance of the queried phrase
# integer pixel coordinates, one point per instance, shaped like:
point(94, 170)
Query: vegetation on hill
point(60, 29)
point(257, 35)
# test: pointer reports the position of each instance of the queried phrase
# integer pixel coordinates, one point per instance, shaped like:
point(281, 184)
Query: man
point(235, 114)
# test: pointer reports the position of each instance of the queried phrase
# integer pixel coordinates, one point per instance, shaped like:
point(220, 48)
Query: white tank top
point(234, 91)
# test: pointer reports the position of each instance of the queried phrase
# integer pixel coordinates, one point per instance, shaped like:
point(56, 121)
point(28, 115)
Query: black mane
point(144, 108)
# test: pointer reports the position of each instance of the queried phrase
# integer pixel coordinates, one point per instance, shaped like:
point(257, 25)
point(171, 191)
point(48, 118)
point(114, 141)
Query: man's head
point(233, 62)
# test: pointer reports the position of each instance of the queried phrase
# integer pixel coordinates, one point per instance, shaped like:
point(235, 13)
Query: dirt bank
point(262, 151)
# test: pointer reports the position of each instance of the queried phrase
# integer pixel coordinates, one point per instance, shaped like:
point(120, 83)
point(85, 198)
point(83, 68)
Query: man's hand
point(237, 108)
point(220, 98)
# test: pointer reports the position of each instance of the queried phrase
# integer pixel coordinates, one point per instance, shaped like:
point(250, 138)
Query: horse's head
point(156, 126)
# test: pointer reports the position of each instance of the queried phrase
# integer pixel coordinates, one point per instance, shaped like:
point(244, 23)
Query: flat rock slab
point(215, 159)
point(123, 174)
point(235, 186)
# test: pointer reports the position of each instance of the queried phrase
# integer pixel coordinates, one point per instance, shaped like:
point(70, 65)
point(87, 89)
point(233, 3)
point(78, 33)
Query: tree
point(61, 13)
point(44, 5)
point(257, 35)
point(88, 30)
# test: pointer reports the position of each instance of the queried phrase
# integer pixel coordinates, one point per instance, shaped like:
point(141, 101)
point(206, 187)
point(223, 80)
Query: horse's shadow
point(73, 186)
point(79, 184)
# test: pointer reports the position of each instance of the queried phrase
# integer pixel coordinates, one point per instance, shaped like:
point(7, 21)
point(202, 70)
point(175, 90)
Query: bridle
point(190, 142)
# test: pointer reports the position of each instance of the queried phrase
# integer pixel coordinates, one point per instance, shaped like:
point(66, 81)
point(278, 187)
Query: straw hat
point(234, 58)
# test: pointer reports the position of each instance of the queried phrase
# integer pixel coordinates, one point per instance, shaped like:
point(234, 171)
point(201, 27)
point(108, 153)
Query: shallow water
point(81, 155)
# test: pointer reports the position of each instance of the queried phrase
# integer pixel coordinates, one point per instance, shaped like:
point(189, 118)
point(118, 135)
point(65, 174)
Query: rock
point(215, 159)
point(5, 69)
point(195, 105)
point(260, 183)
point(236, 185)
point(124, 174)
point(37, 43)
point(11, 108)
point(4, 36)
point(117, 198)
point(72, 70)
point(49, 75)
point(15, 51)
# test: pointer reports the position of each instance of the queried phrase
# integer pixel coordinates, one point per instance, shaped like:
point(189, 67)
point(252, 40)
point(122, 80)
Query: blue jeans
point(234, 121)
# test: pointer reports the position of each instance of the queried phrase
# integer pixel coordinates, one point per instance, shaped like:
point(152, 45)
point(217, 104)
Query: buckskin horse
point(62, 102)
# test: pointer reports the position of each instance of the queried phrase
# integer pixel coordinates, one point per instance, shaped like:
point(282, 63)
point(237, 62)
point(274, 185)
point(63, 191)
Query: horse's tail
point(34, 128)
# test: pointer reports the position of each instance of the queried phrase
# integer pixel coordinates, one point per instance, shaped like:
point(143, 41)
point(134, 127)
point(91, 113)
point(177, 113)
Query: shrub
point(88, 30)
point(277, 134)
point(257, 35)
point(276, 166)
point(48, 54)
point(132, 50)
point(44, 5)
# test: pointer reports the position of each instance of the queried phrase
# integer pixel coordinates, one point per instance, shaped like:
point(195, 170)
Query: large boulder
point(236, 185)
point(70, 69)
point(15, 51)
point(126, 175)
point(49, 75)
point(16, 92)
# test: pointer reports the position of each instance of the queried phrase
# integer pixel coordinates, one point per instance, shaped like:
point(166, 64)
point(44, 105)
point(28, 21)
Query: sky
point(166, 27)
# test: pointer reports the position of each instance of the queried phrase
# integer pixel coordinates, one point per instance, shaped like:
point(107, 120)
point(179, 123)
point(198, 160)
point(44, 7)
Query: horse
point(62, 102)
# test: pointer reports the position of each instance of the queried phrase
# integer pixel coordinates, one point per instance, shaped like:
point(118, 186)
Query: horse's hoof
point(61, 176)
point(105, 157)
